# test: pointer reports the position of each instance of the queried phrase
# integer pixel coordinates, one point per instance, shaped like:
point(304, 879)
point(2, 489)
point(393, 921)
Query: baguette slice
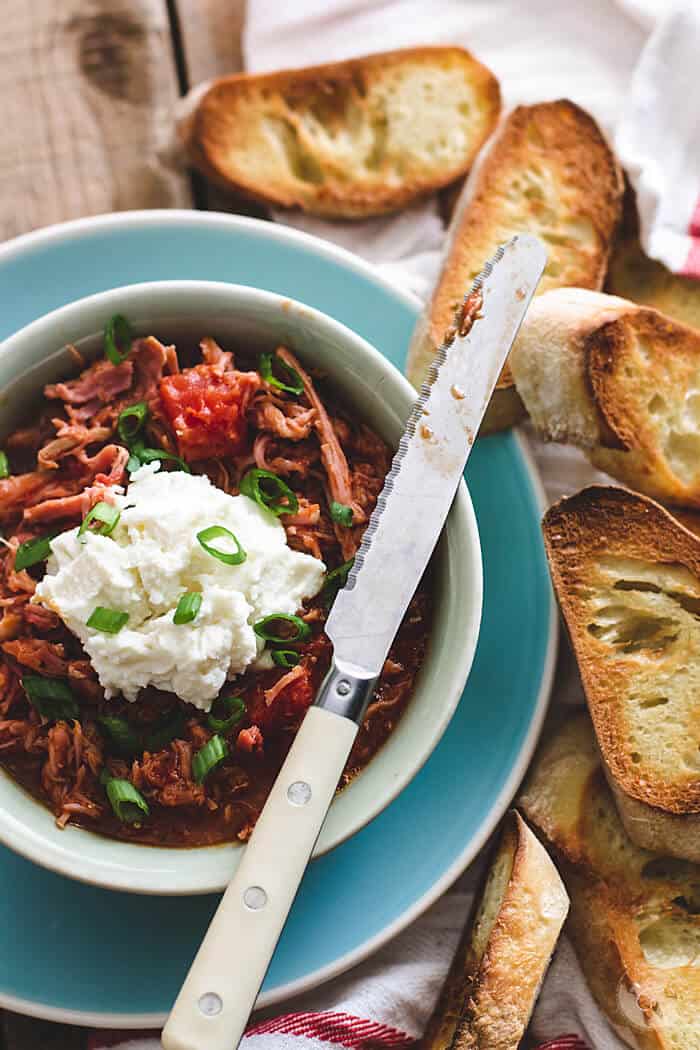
point(505, 951)
point(634, 918)
point(350, 139)
point(548, 171)
point(627, 576)
point(619, 380)
point(635, 276)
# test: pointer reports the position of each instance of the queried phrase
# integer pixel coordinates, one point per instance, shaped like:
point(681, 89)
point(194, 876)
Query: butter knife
point(219, 992)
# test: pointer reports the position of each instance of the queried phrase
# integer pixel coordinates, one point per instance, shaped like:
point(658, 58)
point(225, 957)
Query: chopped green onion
point(106, 514)
point(217, 532)
point(131, 421)
point(4, 465)
point(341, 514)
point(269, 490)
point(159, 737)
point(51, 697)
point(188, 607)
point(140, 455)
point(234, 707)
point(285, 657)
point(110, 621)
point(335, 581)
point(128, 804)
point(294, 384)
point(123, 737)
point(297, 630)
point(133, 463)
point(118, 334)
point(129, 740)
point(209, 757)
point(31, 552)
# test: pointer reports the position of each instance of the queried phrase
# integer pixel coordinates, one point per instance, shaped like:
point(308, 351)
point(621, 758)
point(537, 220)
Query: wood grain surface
point(86, 93)
point(87, 90)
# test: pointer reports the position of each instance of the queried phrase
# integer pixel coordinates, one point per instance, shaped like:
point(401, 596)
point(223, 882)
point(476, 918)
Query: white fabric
point(589, 51)
point(658, 140)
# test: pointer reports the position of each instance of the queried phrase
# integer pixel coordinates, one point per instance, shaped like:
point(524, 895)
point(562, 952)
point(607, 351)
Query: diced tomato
point(207, 410)
point(250, 740)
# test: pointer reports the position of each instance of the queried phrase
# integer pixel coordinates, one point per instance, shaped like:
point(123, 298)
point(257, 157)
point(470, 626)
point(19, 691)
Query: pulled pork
point(222, 421)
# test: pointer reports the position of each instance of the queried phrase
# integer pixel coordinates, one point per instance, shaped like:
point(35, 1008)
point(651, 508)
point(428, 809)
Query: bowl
point(239, 315)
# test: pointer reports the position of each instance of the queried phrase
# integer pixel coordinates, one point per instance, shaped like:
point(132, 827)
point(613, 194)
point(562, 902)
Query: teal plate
point(75, 953)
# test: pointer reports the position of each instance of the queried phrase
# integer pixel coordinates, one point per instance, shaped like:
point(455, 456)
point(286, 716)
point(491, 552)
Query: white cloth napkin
point(634, 71)
point(658, 141)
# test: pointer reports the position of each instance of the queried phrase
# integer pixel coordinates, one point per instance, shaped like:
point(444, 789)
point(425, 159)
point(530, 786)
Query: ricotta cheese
point(150, 560)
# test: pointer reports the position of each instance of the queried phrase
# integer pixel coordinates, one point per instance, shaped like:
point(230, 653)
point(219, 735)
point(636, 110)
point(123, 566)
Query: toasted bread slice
point(505, 951)
point(634, 918)
point(619, 380)
point(635, 276)
point(350, 139)
point(627, 576)
point(548, 171)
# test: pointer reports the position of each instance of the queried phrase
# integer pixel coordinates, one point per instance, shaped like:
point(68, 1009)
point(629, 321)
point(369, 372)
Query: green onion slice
point(110, 621)
point(281, 628)
point(159, 737)
point(141, 455)
point(117, 338)
point(31, 552)
point(131, 421)
point(4, 465)
point(341, 514)
point(209, 757)
point(128, 804)
point(128, 740)
point(123, 737)
point(188, 607)
point(335, 581)
point(234, 709)
point(102, 520)
point(218, 532)
point(133, 463)
point(270, 491)
point(293, 384)
point(51, 697)
point(285, 657)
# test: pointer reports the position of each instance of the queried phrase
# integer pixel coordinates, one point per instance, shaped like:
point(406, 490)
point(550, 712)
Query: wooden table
point(87, 89)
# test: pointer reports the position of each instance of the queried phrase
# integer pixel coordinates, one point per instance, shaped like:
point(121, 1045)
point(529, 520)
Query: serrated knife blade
point(420, 487)
point(218, 994)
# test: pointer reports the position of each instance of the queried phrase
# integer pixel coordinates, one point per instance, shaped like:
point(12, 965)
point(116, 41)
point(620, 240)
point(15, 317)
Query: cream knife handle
point(219, 993)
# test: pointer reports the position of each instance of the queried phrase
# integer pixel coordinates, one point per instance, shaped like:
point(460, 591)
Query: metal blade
point(428, 465)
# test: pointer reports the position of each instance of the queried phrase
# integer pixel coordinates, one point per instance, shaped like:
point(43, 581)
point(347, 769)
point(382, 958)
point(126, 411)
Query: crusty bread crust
point(606, 545)
point(498, 970)
point(549, 171)
point(619, 381)
point(326, 138)
point(671, 834)
point(635, 276)
point(634, 914)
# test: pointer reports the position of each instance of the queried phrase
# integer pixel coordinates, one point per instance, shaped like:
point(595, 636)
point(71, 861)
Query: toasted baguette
point(634, 918)
point(627, 576)
point(549, 171)
point(504, 954)
point(635, 276)
point(620, 381)
point(350, 139)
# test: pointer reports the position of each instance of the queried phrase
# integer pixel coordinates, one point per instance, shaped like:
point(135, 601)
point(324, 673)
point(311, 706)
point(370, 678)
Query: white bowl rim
point(30, 842)
point(182, 217)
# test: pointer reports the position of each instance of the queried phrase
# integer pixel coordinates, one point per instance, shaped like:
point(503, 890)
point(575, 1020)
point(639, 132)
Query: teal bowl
point(236, 315)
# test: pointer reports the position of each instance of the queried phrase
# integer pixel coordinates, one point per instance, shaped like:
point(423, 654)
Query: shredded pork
point(72, 457)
